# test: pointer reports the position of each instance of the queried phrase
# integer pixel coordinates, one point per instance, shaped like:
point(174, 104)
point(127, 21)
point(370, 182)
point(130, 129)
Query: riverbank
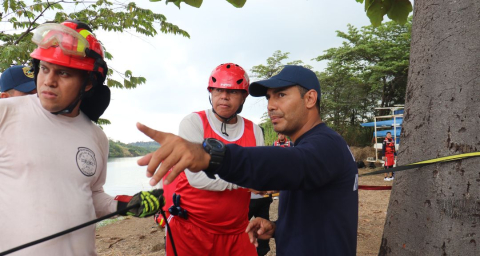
point(134, 236)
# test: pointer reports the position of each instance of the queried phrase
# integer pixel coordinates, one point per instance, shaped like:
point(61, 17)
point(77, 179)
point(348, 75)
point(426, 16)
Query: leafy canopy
point(273, 66)
point(16, 44)
point(368, 70)
point(198, 3)
point(396, 10)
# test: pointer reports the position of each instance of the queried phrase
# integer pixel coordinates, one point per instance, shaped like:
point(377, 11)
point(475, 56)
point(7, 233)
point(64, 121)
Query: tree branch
point(29, 29)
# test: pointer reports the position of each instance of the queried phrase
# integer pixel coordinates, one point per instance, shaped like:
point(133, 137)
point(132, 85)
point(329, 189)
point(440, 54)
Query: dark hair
point(389, 132)
point(303, 91)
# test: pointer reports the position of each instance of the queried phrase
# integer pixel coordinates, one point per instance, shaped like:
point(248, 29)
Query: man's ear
point(89, 86)
point(4, 95)
point(245, 95)
point(310, 98)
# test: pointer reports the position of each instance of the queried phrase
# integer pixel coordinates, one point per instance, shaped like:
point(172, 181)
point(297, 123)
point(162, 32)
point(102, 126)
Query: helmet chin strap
point(225, 120)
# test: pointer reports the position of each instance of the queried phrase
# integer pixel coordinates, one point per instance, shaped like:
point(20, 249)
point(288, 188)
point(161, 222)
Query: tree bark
point(435, 210)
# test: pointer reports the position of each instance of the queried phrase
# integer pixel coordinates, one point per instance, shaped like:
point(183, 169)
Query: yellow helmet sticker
point(80, 46)
point(28, 72)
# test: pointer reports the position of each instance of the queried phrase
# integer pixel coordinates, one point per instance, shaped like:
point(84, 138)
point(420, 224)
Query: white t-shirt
point(191, 129)
point(52, 171)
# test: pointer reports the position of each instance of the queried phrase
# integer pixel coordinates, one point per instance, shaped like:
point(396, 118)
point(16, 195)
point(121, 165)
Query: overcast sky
point(177, 69)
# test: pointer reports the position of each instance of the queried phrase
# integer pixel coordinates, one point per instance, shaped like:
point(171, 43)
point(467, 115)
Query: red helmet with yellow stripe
point(72, 44)
point(66, 45)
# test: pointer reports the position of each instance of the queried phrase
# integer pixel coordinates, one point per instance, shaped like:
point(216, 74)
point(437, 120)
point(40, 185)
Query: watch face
point(216, 145)
point(211, 144)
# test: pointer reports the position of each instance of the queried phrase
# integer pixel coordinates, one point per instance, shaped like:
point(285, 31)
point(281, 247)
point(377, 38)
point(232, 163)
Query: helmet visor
point(56, 35)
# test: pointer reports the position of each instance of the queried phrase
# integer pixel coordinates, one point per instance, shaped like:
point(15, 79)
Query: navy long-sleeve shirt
point(318, 211)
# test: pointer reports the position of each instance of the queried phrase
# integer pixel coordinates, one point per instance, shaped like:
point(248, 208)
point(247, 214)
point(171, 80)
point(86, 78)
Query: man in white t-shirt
point(53, 158)
point(211, 215)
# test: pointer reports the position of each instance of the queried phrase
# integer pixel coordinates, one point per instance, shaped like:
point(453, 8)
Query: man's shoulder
point(27, 99)
point(323, 130)
point(101, 137)
point(191, 118)
point(17, 104)
point(246, 120)
point(324, 136)
point(86, 123)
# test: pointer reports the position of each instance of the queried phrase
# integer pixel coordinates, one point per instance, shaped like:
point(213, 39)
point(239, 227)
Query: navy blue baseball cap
point(19, 78)
point(289, 76)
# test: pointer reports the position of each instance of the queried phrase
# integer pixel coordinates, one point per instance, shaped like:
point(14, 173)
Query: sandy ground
point(134, 236)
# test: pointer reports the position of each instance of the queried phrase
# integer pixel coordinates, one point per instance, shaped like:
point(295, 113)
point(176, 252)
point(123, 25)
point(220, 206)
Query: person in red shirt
point(389, 155)
point(282, 141)
point(209, 216)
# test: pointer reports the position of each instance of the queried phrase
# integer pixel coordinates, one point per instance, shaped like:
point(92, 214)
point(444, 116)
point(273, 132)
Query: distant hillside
point(151, 145)
point(120, 149)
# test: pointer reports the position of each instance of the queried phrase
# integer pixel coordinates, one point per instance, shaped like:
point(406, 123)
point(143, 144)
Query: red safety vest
point(389, 146)
point(389, 152)
point(218, 212)
point(284, 145)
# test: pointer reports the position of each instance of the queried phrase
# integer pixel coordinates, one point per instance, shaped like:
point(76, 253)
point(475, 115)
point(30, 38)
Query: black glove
point(148, 203)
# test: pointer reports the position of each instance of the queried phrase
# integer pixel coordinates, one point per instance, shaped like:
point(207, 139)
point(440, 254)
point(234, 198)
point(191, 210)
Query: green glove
point(150, 203)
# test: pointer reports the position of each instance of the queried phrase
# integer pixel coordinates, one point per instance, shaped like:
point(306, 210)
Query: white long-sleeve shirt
point(52, 171)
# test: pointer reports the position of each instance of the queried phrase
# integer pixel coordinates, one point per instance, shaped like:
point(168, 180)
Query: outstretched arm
point(176, 153)
point(191, 129)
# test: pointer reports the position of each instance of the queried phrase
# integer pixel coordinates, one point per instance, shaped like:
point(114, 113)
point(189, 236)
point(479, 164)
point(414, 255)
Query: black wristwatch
point(216, 149)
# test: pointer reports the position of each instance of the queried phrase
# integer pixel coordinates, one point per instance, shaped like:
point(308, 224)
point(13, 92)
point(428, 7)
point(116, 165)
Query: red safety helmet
point(65, 44)
point(72, 44)
point(229, 76)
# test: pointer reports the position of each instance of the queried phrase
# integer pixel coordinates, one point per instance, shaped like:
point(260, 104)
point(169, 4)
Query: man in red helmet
point(210, 215)
point(53, 157)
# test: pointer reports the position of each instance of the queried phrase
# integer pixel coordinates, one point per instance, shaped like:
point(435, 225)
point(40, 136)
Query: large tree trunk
point(435, 210)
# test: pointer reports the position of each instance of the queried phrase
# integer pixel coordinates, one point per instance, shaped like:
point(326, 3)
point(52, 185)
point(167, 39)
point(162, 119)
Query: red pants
point(192, 240)
point(389, 160)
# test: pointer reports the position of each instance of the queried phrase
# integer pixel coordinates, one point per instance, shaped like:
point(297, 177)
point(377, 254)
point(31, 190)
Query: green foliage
point(396, 10)
point(120, 149)
point(101, 122)
point(274, 66)
point(369, 70)
point(150, 145)
point(198, 3)
point(237, 3)
point(116, 16)
point(268, 132)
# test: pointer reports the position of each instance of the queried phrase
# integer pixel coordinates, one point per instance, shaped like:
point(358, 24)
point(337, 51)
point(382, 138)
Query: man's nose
point(225, 94)
point(50, 79)
point(271, 105)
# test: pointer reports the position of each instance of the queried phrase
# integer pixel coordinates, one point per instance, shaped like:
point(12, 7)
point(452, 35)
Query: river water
point(125, 177)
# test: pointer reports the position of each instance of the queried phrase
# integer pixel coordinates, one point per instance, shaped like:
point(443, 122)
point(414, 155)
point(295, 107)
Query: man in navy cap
point(318, 213)
point(17, 81)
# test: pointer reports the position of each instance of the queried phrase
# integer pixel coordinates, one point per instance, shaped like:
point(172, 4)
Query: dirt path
point(133, 236)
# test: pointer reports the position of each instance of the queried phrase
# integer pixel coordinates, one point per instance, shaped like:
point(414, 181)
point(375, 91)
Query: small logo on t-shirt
point(86, 161)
